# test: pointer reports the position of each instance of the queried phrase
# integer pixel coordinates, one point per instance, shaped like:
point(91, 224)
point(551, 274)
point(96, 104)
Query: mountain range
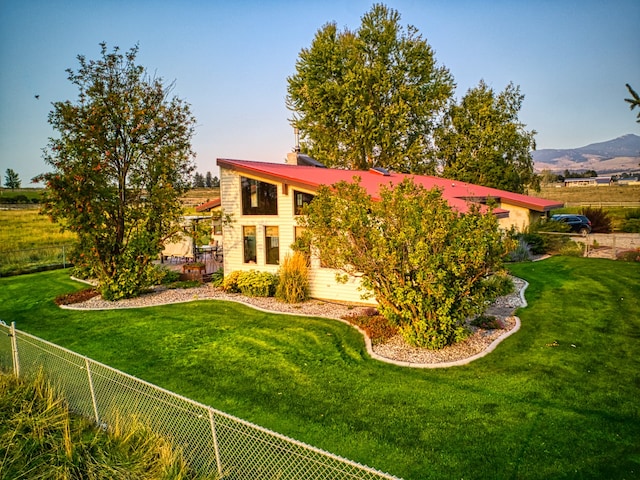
point(619, 155)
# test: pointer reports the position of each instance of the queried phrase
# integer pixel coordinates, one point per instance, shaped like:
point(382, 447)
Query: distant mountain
point(619, 155)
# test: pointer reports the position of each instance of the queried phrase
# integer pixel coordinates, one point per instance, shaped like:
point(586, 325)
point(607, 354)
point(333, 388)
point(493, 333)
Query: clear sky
point(230, 60)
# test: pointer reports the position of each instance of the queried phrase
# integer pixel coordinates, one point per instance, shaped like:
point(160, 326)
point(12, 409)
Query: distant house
point(587, 182)
point(216, 221)
point(264, 200)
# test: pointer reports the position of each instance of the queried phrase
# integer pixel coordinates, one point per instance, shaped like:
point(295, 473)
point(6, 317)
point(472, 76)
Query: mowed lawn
point(559, 399)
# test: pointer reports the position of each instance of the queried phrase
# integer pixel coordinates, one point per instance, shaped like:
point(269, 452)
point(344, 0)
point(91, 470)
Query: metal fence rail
point(211, 441)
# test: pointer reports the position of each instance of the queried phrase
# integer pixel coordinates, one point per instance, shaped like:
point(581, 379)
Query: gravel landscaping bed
point(394, 350)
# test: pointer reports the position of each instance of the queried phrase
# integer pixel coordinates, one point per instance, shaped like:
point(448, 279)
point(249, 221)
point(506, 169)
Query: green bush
point(293, 285)
point(217, 278)
point(600, 220)
point(631, 225)
point(631, 222)
point(500, 284)
point(571, 249)
point(253, 283)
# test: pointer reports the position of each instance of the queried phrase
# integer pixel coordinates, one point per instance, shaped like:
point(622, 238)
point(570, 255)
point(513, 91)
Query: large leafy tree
point(368, 98)
point(425, 263)
point(482, 141)
point(120, 163)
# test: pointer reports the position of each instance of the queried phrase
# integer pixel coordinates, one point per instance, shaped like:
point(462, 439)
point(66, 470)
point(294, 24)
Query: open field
point(558, 399)
point(594, 196)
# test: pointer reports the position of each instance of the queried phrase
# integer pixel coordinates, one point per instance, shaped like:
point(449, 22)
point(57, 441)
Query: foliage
point(11, 179)
point(600, 219)
point(377, 327)
point(482, 141)
point(40, 438)
point(120, 163)
point(487, 322)
point(217, 278)
point(631, 222)
point(293, 282)
point(369, 97)
point(500, 284)
point(544, 236)
point(423, 261)
point(634, 101)
point(257, 284)
point(522, 250)
point(630, 255)
point(230, 282)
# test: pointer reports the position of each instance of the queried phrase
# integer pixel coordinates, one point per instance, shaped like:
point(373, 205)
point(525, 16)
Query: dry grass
point(591, 195)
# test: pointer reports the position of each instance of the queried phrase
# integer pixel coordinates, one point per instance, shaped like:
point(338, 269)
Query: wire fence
point(212, 442)
point(33, 259)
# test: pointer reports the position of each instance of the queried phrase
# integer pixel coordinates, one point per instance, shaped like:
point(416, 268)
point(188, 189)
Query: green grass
point(528, 410)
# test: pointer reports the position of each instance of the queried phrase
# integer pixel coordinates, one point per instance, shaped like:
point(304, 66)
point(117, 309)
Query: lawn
point(559, 399)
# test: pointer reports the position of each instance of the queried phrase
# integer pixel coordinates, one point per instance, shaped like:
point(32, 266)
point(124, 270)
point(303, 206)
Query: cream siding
point(322, 281)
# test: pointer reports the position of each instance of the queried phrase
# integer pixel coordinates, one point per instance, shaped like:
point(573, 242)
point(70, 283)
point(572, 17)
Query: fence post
point(92, 390)
point(14, 350)
point(215, 441)
point(64, 263)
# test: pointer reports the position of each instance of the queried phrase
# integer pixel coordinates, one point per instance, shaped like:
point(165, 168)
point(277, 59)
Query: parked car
point(578, 223)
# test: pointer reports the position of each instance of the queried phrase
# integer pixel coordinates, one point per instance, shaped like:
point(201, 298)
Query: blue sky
point(230, 61)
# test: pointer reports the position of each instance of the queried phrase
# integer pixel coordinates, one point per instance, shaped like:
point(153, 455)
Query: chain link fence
point(212, 442)
point(34, 259)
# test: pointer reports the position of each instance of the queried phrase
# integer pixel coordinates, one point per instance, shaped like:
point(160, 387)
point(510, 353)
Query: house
point(216, 221)
point(588, 182)
point(265, 198)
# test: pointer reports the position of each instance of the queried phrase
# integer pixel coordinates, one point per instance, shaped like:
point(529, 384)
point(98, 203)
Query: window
point(249, 234)
point(258, 198)
point(217, 227)
point(301, 199)
point(271, 246)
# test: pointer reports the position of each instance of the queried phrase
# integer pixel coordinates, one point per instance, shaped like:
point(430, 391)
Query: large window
point(301, 199)
point(259, 198)
point(249, 234)
point(271, 245)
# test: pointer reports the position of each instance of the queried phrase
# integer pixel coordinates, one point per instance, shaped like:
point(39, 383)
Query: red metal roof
point(206, 206)
point(458, 194)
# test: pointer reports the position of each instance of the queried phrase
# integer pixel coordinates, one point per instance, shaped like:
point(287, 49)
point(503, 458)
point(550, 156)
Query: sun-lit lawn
point(559, 399)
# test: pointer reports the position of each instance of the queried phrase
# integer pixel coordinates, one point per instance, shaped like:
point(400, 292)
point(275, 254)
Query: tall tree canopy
point(425, 263)
point(120, 163)
point(482, 141)
point(370, 97)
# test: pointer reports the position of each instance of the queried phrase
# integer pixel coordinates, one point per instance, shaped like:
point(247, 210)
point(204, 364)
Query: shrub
point(500, 284)
point(487, 322)
point(230, 282)
point(600, 220)
point(377, 327)
point(257, 284)
point(521, 252)
point(630, 255)
point(217, 278)
point(631, 222)
point(571, 249)
point(293, 285)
